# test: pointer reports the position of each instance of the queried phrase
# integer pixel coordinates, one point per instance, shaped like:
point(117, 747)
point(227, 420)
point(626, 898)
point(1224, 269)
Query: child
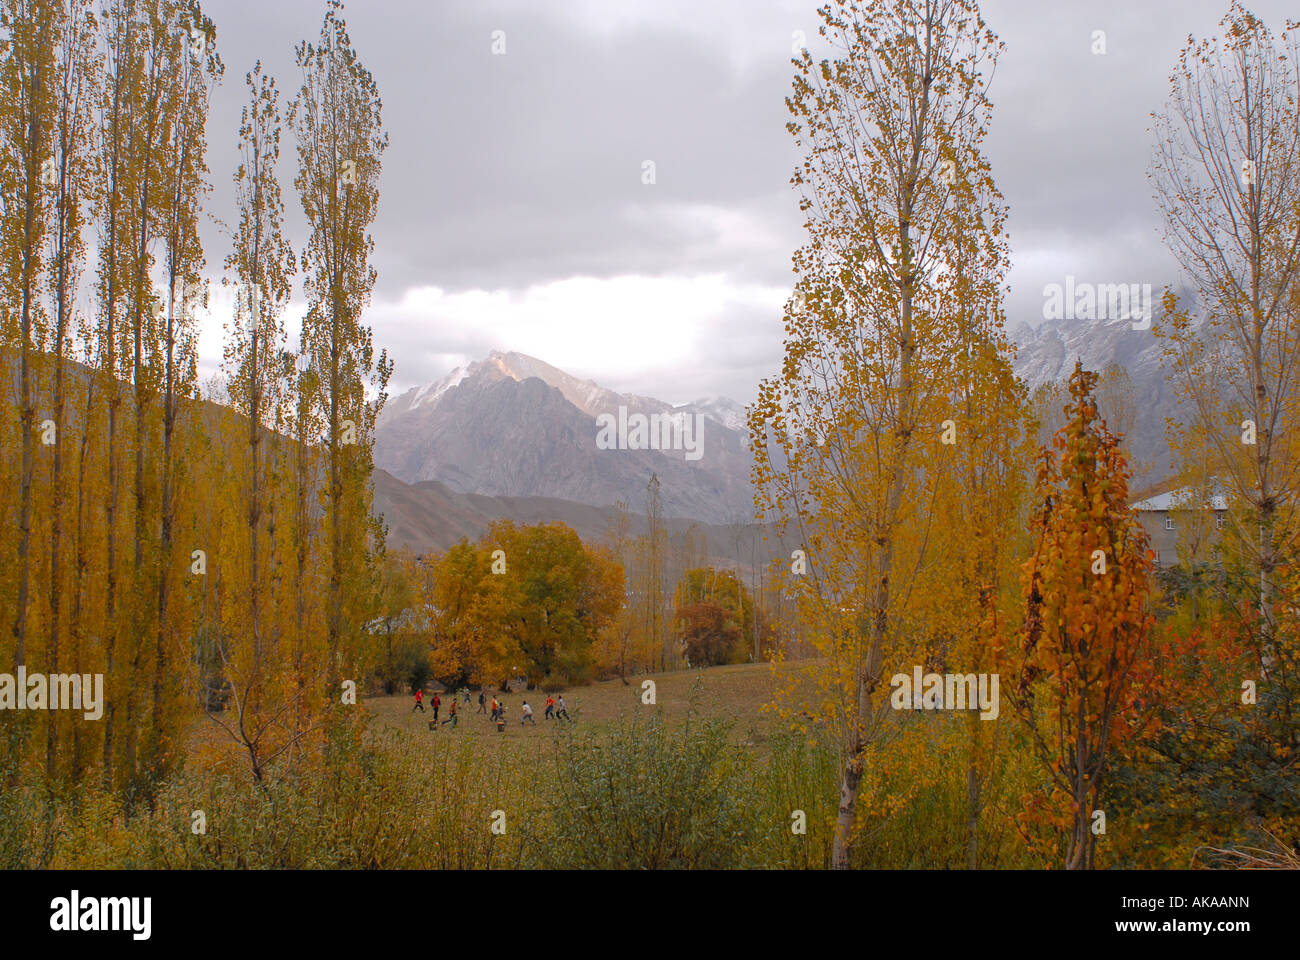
point(550, 708)
point(481, 702)
point(526, 715)
point(437, 701)
point(561, 709)
point(451, 713)
point(419, 701)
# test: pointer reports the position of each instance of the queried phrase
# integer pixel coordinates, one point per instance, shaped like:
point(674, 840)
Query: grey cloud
point(517, 170)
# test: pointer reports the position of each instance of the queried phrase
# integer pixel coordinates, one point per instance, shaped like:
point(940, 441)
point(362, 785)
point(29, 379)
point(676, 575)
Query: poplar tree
point(27, 77)
point(1226, 170)
point(113, 172)
point(195, 67)
point(984, 448)
point(896, 195)
point(337, 121)
point(155, 114)
point(70, 185)
point(259, 266)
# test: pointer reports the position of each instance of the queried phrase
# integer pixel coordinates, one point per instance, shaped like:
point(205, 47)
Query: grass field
point(623, 785)
point(736, 694)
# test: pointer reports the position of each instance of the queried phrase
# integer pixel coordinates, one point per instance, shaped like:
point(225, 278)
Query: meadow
point(706, 777)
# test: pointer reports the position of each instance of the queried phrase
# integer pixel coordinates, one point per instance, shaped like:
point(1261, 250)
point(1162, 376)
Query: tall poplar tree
point(194, 67)
point(896, 195)
point(69, 183)
point(1226, 169)
point(260, 267)
point(27, 76)
point(337, 120)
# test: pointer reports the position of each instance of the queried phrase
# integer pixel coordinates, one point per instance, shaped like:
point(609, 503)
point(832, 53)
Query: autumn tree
point(1082, 668)
point(719, 591)
point(194, 67)
point(139, 110)
point(465, 646)
point(709, 632)
point(404, 623)
point(118, 96)
point(979, 498)
point(27, 119)
point(616, 645)
point(1226, 169)
point(557, 596)
point(903, 247)
point(337, 122)
point(70, 184)
point(526, 603)
point(254, 640)
point(652, 593)
point(158, 50)
point(635, 640)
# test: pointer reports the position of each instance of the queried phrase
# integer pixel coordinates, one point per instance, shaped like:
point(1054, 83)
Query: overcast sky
point(513, 214)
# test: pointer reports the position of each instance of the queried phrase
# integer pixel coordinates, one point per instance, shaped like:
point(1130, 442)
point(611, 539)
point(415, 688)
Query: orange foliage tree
point(1084, 678)
point(523, 604)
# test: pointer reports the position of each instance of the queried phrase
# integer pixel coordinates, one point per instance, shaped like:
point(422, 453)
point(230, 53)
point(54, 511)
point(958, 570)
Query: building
point(1164, 515)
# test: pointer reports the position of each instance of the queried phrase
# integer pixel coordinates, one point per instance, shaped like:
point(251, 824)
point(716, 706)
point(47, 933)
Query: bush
point(647, 796)
point(373, 800)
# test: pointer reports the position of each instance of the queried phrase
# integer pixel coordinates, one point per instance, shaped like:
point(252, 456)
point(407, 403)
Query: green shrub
point(647, 795)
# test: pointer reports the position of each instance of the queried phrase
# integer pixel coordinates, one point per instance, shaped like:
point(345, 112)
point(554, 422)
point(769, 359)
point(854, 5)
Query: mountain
point(513, 426)
point(1047, 354)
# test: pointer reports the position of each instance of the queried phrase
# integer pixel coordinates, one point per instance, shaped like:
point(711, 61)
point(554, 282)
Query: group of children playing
point(555, 709)
point(436, 703)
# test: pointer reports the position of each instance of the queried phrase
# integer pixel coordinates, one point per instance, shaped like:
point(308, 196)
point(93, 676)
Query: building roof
point(1182, 499)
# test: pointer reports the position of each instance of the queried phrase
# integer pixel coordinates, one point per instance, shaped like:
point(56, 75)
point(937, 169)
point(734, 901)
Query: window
point(1219, 522)
point(1169, 522)
point(1157, 555)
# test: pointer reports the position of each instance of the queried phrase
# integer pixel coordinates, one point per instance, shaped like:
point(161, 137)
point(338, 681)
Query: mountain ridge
point(513, 425)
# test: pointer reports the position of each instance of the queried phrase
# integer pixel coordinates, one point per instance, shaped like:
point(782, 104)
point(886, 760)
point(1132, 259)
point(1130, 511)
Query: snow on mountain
point(431, 392)
point(1047, 354)
point(722, 410)
point(587, 395)
point(513, 425)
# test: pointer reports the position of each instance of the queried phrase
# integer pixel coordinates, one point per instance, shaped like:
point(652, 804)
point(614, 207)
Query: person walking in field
point(437, 702)
point(526, 715)
point(561, 710)
point(496, 707)
point(481, 703)
point(451, 713)
point(419, 701)
point(550, 708)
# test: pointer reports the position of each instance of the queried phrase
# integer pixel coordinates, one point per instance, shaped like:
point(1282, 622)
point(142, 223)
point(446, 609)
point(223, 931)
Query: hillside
point(430, 517)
